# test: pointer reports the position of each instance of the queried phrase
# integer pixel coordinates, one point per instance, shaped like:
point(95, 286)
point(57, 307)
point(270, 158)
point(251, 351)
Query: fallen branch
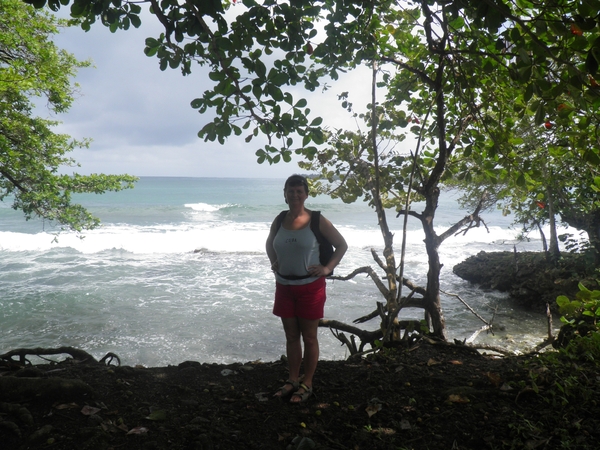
point(551, 337)
point(366, 337)
point(472, 338)
point(545, 343)
point(349, 343)
point(468, 307)
point(492, 348)
point(472, 348)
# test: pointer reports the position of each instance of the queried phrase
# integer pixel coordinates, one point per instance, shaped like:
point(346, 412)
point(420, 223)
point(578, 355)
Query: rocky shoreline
point(528, 277)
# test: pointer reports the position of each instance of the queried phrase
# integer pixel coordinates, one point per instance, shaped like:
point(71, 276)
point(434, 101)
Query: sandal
point(283, 392)
point(308, 392)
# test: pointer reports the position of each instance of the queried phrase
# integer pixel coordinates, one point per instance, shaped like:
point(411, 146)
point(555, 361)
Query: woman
point(300, 294)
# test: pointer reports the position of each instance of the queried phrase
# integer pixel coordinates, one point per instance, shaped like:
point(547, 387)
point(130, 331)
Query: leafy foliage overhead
point(536, 41)
point(31, 154)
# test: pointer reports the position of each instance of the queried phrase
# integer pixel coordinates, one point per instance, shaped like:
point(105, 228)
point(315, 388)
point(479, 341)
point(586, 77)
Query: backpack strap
point(315, 220)
point(279, 218)
point(325, 247)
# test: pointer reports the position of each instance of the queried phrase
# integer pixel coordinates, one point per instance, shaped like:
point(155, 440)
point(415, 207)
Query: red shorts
point(306, 301)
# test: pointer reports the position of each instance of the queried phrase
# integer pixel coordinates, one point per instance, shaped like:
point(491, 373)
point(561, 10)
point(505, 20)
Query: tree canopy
point(539, 59)
point(31, 154)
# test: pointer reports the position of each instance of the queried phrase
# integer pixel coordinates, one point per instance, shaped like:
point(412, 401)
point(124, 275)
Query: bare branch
point(413, 288)
point(351, 345)
point(368, 317)
point(551, 337)
point(378, 259)
point(410, 213)
point(468, 307)
point(371, 273)
point(471, 221)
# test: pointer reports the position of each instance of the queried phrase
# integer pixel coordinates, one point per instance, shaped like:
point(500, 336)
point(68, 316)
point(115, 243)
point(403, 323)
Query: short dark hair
point(296, 180)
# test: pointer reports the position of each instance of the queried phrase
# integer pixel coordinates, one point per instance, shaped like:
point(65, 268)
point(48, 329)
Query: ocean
point(178, 272)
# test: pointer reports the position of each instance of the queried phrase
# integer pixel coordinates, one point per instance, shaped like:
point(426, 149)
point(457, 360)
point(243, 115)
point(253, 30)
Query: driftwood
point(550, 340)
point(77, 355)
point(366, 337)
point(470, 347)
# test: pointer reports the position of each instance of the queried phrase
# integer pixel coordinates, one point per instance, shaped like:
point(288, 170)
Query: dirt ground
point(426, 396)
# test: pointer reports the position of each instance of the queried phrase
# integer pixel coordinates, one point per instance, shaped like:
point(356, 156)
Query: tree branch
point(371, 273)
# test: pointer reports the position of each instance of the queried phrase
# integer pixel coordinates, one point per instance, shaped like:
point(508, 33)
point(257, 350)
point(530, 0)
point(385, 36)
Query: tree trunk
point(594, 237)
point(542, 236)
point(433, 305)
point(554, 251)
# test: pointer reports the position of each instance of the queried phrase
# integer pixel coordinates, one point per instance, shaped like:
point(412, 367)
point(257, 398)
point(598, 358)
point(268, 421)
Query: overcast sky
point(140, 118)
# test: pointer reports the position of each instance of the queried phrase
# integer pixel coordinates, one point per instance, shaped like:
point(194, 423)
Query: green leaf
point(592, 157)
point(562, 300)
point(216, 75)
point(279, 79)
point(157, 415)
point(197, 103)
point(591, 63)
point(540, 115)
point(275, 92)
point(260, 69)
point(457, 23)
point(135, 21)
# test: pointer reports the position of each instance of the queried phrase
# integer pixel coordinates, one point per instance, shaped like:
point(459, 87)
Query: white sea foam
point(236, 237)
point(205, 207)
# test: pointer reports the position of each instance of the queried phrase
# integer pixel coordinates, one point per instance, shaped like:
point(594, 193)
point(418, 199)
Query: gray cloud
point(140, 118)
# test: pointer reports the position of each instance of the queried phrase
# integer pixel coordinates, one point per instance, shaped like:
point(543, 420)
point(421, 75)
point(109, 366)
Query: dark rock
point(529, 277)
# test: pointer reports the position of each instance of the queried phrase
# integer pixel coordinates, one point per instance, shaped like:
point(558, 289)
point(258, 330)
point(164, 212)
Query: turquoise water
point(178, 272)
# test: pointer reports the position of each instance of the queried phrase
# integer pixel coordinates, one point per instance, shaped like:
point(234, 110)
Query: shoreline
point(528, 277)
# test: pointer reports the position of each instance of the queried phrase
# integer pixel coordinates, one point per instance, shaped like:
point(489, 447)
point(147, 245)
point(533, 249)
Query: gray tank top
point(296, 250)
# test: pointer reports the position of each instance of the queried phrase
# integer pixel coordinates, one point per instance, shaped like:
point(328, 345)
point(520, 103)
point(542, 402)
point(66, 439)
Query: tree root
point(25, 387)
point(78, 355)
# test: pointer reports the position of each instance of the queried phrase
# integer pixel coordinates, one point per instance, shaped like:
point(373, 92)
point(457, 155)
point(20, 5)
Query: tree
point(519, 182)
point(261, 53)
point(30, 152)
point(549, 152)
